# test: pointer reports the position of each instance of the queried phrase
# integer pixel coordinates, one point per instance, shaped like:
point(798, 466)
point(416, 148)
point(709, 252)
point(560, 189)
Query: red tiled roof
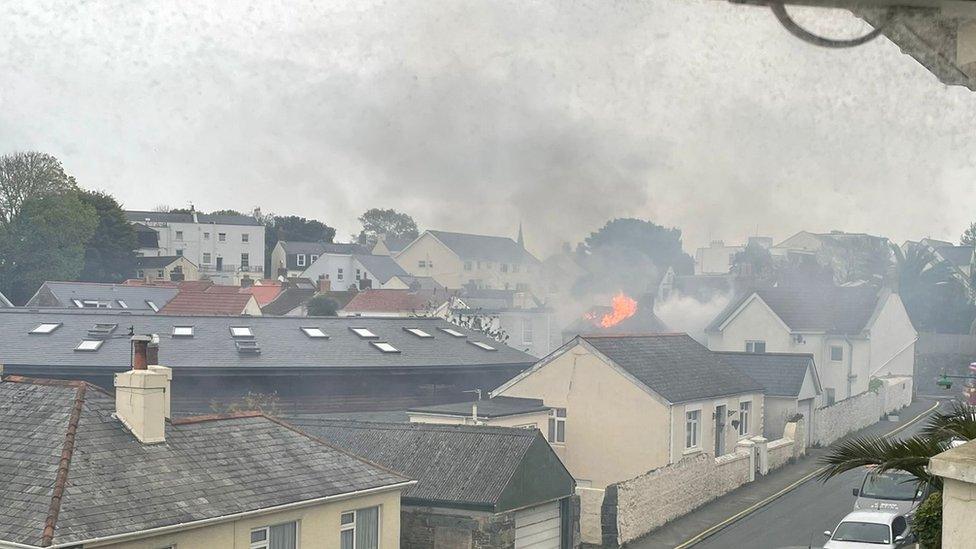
point(377, 301)
point(207, 303)
point(263, 294)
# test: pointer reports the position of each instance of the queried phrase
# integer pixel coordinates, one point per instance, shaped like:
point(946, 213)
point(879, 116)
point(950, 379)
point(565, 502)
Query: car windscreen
point(890, 485)
point(864, 532)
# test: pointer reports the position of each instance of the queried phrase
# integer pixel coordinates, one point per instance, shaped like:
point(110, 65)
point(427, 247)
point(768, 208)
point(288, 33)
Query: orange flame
point(623, 308)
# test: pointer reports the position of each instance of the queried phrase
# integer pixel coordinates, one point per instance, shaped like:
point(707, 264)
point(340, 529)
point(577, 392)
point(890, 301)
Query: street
point(799, 518)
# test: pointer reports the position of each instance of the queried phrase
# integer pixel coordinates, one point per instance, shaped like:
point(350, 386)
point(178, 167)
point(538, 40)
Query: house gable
point(540, 476)
point(892, 339)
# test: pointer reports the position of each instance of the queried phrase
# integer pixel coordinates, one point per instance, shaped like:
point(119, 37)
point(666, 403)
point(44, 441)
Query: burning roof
point(625, 315)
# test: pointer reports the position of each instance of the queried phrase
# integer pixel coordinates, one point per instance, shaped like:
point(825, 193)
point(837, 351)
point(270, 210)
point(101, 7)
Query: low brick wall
point(855, 413)
point(591, 509)
point(422, 528)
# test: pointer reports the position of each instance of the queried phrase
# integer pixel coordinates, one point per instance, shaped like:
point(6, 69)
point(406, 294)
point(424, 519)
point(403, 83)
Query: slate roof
point(134, 296)
point(486, 248)
point(831, 309)
point(284, 347)
point(395, 245)
point(782, 374)
point(644, 321)
point(73, 473)
point(960, 256)
point(4, 302)
point(455, 464)
point(499, 406)
point(388, 301)
point(156, 261)
point(229, 302)
point(674, 366)
point(298, 247)
point(382, 267)
point(421, 282)
point(286, 301)
point(138, 216)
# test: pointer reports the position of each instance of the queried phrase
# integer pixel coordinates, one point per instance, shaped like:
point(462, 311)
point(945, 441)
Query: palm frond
point(957, 423)
point(910, 455)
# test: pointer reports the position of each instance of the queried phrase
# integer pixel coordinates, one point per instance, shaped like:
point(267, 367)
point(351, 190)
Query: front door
point(719, 430)
point(220, 264)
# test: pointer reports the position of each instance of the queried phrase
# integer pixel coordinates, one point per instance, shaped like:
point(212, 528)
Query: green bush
point(927, 525)
point(875, 385)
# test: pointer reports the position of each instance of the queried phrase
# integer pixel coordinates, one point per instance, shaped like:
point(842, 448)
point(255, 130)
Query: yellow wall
point(707, 424)
point(318, 527)
point(614, 429)
point(449, 269)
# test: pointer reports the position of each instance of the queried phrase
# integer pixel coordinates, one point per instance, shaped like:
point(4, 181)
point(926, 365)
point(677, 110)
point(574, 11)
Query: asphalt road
point(797, 519)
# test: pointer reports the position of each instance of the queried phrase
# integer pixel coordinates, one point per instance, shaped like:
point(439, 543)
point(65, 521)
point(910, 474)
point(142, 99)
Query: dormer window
point(452, 332)
point(364, 333)
point(89, 345)
point(46, 328)
point(418, 332)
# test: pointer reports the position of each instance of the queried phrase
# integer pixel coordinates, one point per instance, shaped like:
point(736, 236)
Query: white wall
point(715, 259)
point(893, 337)
point(200, 238)
point(330, 265)
point(852, 414)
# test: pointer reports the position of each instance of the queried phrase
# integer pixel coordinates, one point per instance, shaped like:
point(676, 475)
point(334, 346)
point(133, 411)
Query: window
point(482, 346)
point(358, 274)
point(360, 529)
point(527, 331)
point(160, 273)
point(179, 235)
point(206, 236)
point(314, 332)
point(755, 346)
point(385, 347)
point(515, 267)
point(836, 353)
point(206, 258)
point(89, 345)
point(280, 536)
point(247, 346)
point(241, 331)
point(77, 303)
point(692, 428)
point(122, 303)
point(300, 260)
point(504, 267)
point(140, 274)
point(182, 331)
point(179, 252)
point(222, 237)
point(744, 409)
point(312, 258)
point(94, 304)
point(452, 332)
point(364, 333)
point(467, 265)
point(102, 330)
point(422, 264)
point(829, 396)
point(245, 261)
point(418, 332)
point(245, 237)
point(557, 425)
point(152, 305)
point(339, 274)
point(46, 328)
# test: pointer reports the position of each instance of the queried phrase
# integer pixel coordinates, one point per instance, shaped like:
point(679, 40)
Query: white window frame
point(481, 345)
point(266, 542)
point(182, 331)
point(831, 350)
point(419, 333)
point(300, 260)
point(314, 332)
point(245, 237)
point(245, 261)
point(89, 345)
point(744, 420)
point(697, 439)
point(751, 346)
point(122, 303)
point(45, 328)
point(385, 347)
point(206, 236)
point(179, 236)
point(527, 329)
point(222, 237)
point(363, 333)
point(241, 331)
point(555, 420)
point(207, 258)
point(152, 305)
point(451, 332)
point(353, 526)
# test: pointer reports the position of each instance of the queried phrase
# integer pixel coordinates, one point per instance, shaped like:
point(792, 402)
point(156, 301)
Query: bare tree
point(27, 175)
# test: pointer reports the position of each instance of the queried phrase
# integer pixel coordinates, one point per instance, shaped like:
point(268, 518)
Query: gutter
point(216, 520)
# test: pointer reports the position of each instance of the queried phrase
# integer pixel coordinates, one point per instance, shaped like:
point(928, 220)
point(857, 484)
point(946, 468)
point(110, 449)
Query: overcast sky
point(473, 116)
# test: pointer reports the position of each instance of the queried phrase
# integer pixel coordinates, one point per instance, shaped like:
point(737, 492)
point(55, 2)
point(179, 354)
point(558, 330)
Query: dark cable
point(779, 10)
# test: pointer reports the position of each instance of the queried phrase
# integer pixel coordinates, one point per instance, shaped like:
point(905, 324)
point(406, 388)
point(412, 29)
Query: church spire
point(521, 240)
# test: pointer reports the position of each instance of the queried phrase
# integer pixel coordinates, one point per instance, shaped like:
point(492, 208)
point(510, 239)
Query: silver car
point(870, 529)
point(894, 491)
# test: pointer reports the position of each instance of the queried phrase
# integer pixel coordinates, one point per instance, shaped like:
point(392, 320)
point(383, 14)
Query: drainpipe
point(850, 365)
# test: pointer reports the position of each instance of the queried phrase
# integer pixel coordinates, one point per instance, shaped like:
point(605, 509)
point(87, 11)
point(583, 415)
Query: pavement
point(786, 508)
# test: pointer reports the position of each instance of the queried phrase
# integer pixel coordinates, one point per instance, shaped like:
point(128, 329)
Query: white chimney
point(141, 396)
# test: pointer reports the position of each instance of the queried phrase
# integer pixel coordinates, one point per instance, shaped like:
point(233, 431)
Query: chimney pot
point(140, 352)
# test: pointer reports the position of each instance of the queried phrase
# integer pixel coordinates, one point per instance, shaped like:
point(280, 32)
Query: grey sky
point(473, 116)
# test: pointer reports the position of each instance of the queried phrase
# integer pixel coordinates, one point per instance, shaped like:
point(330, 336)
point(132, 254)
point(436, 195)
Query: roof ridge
point(424, 426)
point(11, 378)
point(633, 335)
point(190, 420)
point(810, 355)
point(64, 463)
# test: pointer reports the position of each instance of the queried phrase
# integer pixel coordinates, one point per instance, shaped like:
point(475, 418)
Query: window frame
point(207, 258)
point(744, 423)
point(179, 236)
point(527, 323)
point(45, 328)
point(245, 260)
point(221, 237)
point(180, 330)
point(839, 348)
point(753, 343)
point(363, 332)
point(314, 332)
point(555, 422)
point(89, 345)
point(266, 542)
point(697, 431)
point(418, 332)
point(354, 525)
point(235, 335)
point(245, 237)
point(152, 305)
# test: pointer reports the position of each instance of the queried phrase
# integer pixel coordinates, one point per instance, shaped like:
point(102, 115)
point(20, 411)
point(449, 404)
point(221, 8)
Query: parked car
point(874, 529)
point(894, 491)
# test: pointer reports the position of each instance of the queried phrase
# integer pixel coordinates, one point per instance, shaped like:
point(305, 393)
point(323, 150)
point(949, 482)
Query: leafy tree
point(292, 227)
point(109, 254)
point(626, 253)
point(378, 223)
point(322, 305)
point(968, 237)
point(28, 175)
point(45, 241)
point(755, 261)
point(226, 212)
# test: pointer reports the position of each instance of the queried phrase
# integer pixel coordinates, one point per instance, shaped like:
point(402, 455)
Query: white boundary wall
point(855, 413)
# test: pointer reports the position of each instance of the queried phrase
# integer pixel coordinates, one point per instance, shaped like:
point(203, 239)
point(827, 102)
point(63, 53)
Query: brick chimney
point(142, 394)
point(247, 282)
point(325, 285)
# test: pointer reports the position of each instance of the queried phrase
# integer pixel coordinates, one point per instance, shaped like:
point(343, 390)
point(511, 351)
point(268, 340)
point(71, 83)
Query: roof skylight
point(78, 303)
point(102, 330)
point(152, 306)
point(418, 332)
point(452, 332)
point(364, 333)
point(483, 346)
point(89, 345)
point(182, 331)
point(248, 346)
point(241, 331)
point(122, 303)
point(384, 346)
point(314, 332)
point(45, 327)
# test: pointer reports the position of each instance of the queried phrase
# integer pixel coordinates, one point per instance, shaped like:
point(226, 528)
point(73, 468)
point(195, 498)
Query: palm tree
point(934, 298)
point(910, 455)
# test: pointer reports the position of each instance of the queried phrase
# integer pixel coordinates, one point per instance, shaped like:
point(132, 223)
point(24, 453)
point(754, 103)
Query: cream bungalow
point(623, 405)
point(853, 333)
